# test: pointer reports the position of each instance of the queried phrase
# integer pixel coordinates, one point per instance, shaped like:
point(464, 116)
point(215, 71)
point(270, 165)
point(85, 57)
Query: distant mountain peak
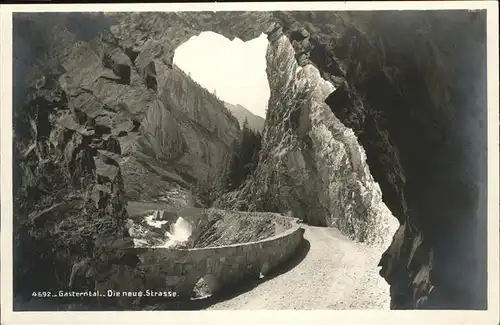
point(241, 113)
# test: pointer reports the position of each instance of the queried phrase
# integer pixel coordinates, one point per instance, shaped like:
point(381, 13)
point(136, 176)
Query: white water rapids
point(179, 232)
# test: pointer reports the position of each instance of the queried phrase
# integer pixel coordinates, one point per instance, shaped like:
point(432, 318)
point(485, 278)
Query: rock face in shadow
point(68, 201)
point(311, 165)
point(69, 205)
point(411, 85)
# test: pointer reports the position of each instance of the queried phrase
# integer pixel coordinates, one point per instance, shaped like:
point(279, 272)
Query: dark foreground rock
point(415, 94)
point(69, 202)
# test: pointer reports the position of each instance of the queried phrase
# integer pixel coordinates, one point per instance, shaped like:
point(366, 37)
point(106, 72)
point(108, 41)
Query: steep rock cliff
point(412, 85)
point(310, 164)
point(171, 131)
point(184, 138)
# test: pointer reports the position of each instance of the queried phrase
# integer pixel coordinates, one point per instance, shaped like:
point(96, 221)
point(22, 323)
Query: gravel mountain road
point(336, 273)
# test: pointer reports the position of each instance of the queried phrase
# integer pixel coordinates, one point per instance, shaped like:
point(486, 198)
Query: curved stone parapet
point(178, 270)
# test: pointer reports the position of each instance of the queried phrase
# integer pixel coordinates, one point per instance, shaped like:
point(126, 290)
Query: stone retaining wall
point(224, 266)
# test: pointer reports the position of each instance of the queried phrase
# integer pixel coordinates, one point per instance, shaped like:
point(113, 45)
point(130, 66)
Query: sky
point(236, 70)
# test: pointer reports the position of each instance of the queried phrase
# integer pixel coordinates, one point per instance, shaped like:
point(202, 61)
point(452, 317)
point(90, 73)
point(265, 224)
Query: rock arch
point(416, 100)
